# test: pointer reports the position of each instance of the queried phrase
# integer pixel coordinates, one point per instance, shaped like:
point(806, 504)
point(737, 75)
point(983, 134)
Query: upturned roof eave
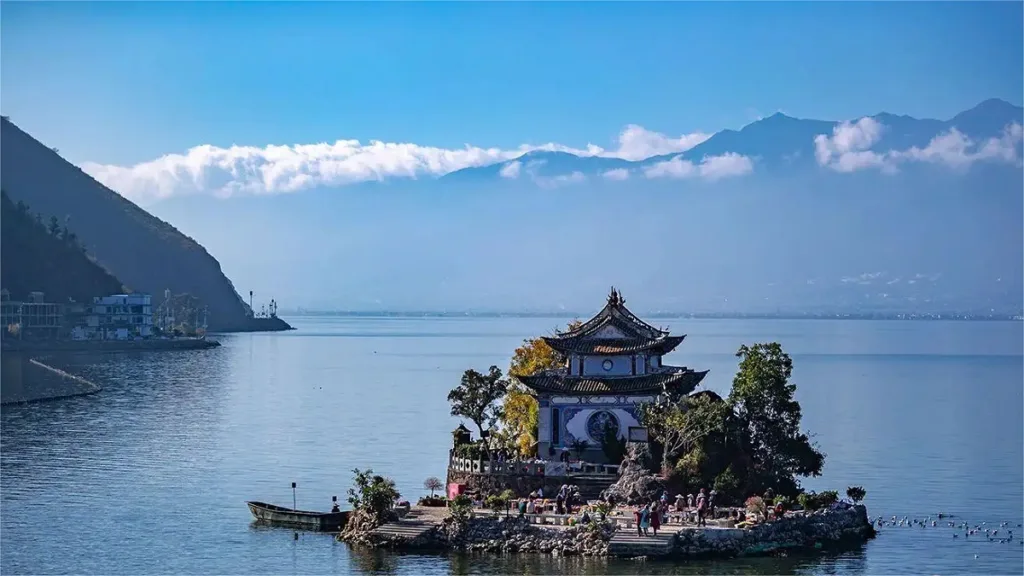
point(662, 345)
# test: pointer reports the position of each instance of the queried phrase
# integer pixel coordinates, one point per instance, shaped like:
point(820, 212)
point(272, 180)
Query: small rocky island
point(660, 470)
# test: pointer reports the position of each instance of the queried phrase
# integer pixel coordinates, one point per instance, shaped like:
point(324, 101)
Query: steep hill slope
point(32, 258)
point(145, 252)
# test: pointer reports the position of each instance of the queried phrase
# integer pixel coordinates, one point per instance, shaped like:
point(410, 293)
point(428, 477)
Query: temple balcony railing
point(493, 466)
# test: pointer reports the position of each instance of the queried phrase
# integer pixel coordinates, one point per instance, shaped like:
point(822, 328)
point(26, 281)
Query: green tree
point(373, 494)
point(54, 227)
point(519, 417)
point(681, 425)
point(520, 407)
point(768, 415)
point(475, 398)
point(613, 446)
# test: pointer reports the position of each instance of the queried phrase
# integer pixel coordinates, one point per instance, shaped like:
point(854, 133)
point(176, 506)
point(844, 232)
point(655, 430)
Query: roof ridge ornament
point(615, 298)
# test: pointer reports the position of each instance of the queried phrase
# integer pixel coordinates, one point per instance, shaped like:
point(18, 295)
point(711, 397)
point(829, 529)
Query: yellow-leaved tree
point(520, 416)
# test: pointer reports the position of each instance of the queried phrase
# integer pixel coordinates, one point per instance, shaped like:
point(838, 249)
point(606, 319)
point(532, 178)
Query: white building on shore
point(117, 317)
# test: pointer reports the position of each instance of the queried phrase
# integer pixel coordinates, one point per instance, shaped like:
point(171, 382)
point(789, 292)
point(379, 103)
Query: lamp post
point(294, 507)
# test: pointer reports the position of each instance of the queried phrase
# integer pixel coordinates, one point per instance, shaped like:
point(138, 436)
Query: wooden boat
point(302, 519)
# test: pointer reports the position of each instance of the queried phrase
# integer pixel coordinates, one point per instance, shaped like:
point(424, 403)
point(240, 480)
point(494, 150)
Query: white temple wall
point(594, 366)
point(544, 423)
point(577, 423)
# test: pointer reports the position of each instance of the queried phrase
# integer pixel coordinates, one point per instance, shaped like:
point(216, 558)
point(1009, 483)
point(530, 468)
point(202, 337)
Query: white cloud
point(277, 169)
point(849, 148)
point(709, 168)
point(957, 150)
point(617, 174)
point(511, 170)
point(637, 143)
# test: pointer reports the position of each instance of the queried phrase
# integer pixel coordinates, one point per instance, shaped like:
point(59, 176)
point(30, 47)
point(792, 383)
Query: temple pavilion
point(612, 364)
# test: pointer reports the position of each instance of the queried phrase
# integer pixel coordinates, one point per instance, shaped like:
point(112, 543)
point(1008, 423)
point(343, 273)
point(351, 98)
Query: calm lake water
point(150, 476)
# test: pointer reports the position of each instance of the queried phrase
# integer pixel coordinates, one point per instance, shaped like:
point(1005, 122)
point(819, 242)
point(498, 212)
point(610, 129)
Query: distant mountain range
point(880, 215)
point(778, 142)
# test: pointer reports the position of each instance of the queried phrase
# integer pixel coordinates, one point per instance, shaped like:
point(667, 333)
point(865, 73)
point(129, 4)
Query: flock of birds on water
point(1002, 534)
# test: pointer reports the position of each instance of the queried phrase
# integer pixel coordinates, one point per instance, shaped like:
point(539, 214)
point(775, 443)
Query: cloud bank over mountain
point(989, 133)
point(276, 169)
point(849, 148)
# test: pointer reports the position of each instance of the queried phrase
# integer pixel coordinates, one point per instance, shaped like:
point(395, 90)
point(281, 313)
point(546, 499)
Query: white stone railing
point(539, 468)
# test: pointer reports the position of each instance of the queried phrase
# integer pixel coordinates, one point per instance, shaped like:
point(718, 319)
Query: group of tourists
point(655, 513)
point(703, 504)
point(566, 500)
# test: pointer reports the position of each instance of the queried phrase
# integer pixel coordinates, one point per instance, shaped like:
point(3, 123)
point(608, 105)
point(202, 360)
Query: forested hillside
point(38, 252)
point(145, 252)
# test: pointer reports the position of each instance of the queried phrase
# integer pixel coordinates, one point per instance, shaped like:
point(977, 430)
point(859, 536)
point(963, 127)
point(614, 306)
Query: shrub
point(460, 508)
point(472, 451)
point(495, 502)
point(756, 505)
point(372, 493)
point(432, 501)
point(817, 501)
point(612, 445)
point(828, 498)
point(433, 484)
point(602, 509)
point(856, 493)
point(508, 496)
point(804, 500)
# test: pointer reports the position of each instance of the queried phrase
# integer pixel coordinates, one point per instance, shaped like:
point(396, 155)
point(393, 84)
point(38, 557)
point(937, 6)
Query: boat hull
point(301, 519)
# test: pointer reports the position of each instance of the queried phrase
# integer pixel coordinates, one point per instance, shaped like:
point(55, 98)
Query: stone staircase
point(626, 543)
point(414, 524)
point(591, 486)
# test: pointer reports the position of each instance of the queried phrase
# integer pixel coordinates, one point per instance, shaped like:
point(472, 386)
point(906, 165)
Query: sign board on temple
point(637, 434)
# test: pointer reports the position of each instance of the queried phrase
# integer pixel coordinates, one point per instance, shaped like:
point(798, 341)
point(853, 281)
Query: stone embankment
point(431, 529)
point(813, 531)
point(146, 345)
point(29, 380)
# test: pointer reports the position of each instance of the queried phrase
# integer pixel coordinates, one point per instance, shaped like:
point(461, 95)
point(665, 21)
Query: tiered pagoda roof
point(615, 331)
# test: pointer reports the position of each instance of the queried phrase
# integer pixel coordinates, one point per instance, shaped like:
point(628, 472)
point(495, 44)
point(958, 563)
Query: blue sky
point(124, 83)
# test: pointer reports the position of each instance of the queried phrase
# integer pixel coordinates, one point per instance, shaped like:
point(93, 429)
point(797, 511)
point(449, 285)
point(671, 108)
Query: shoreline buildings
point(115, 317)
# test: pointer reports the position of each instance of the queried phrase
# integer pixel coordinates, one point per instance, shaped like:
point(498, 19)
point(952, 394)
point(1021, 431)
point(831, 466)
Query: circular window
point(599, 422)
point(607, 365)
